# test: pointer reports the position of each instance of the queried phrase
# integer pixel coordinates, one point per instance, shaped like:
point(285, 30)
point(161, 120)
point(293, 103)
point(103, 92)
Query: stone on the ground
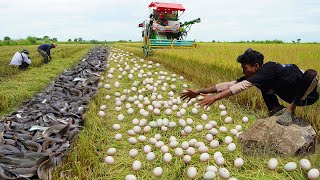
point(267, 135)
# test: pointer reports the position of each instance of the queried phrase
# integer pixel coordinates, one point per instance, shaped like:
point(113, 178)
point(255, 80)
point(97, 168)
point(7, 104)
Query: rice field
point(123, 116)
point(212, 63)
point(18, 86)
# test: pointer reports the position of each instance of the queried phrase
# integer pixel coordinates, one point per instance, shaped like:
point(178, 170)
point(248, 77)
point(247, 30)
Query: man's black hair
point(251, 57)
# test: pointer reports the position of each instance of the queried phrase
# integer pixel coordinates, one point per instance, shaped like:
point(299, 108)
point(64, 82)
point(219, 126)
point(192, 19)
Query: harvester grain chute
point(163, 28)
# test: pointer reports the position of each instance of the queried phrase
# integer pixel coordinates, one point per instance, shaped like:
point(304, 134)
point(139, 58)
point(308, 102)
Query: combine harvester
point(163, 29)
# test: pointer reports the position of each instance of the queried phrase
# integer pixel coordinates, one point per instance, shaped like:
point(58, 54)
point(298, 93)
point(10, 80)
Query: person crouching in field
point(21, 60)
point(44, 50)
point(287, 81)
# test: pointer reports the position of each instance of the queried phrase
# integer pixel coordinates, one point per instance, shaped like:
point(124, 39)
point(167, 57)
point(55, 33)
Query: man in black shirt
point(286, 81)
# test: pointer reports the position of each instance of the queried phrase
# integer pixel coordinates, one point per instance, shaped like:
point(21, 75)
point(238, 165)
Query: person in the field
point(21, 60)
point(286, 81)
point(44, 50)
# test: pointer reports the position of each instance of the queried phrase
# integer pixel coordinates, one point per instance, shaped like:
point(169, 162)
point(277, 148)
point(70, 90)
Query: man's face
point(248, 70)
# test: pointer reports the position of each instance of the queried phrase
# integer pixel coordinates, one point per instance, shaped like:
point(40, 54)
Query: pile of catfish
point(34, 139)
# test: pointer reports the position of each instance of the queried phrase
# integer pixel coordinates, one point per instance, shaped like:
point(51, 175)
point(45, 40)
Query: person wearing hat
point(21, 60)
point(286, 81)
point(44, 50)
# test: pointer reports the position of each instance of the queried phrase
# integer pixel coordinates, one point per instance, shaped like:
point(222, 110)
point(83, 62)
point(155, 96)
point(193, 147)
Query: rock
point(267, 135)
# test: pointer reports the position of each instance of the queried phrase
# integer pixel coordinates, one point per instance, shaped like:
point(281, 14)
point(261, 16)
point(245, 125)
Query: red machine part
point(166, 7)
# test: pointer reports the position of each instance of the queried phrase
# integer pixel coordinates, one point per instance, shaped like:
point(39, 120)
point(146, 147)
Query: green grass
point(17, 86)
point(86, 160)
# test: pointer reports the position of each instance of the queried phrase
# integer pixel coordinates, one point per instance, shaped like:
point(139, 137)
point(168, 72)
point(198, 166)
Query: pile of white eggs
point(150, 103)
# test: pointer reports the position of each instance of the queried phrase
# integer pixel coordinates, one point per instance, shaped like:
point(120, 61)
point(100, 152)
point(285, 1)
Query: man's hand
point(189, 94)
point(208, 100)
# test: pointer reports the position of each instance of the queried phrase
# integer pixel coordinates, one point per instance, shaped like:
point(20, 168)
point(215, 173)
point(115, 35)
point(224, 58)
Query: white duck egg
point(164, 149)
point(132, 140)
point(103, 107)
point(192, 172)
point(109, 160)
point(136, 165)
point(233, 132)
point(107, 86)
point(120, 117)
point(152, 140)
point(222, 107)
point(238, 127)
point(111, 151)
point(245, 119)
point(159, 144)
point(101, 113)
point(209, 175)
point(290, 166)
point(156, 111)
point(117, 84)
point(118, 108)
point(238, 163)
point(305, 164)
point(142, 138)
point(147, 129)
point(108, 97)
point(223, 113)
point(168, 112)
point(116, 126)
point(199, 144)
point(133, 152)
point(223, 129)
point(135, 121)
point(186, 159)
point(313, 174)
point(214, 144)
point(157, 137)
point(224, 173)
point(118, 137)
point(192, 142)
point(185, 145)
point(188, 129)
point(130, 177)
point(158, 171)
point(174, 144)
point(147, 148)
point(190, 151)
point(232, 147)
point(273, 163)
point(150, 156)
point(204, 117)
point(204, 157)
point(213, 123)
point(220, 161)
point(209, 137)
point(199, 128)
point(216, 155)
point(182, 122)
point(208, 126)
point(131, 132)
point(212, 168)
point(172, 138)
point(167, 157)
point(228, 139)
point(203, 149)
point(178, 152)
point(194, 110)
point(228, 120)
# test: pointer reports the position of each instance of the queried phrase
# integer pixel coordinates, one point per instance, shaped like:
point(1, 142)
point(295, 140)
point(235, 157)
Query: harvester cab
point(164, 30)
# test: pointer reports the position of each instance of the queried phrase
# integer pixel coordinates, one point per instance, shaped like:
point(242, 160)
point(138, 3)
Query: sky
point(221, 20)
